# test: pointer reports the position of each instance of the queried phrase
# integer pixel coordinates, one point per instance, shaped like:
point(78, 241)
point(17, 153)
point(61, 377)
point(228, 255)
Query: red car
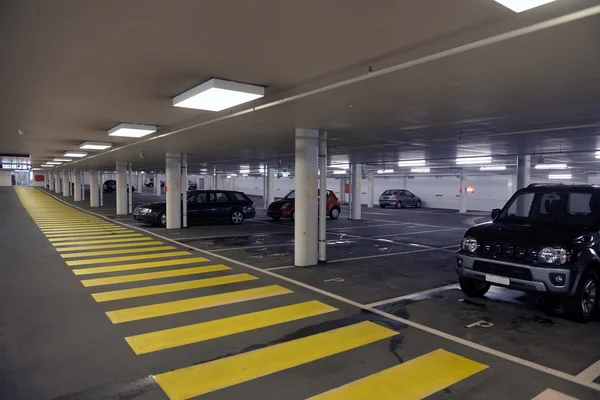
point(284, 208)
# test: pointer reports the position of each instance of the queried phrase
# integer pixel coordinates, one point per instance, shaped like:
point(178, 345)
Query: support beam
point(77, 186)
point(463, 192)
point(157, 187)
point(355, 198)
point(184, 190)
point(306, 213)
point(322, 196)
point(173, 194)
point(371, 190)
point(94, 189)
point(121, 193)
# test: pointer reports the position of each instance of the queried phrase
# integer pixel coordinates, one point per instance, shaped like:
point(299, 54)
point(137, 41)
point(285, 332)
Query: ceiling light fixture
point(131, 130)
point(341, 166)
point(218, 95)
point(473, 160)
point(421, 170)
point(95, 146)
point(53, 162)
point(523, 5)
point(413, 163)
point(493, 168)
point(62, 159)
point(551, 166)
point(75, 154)
point(47, 166)
point(598, 154)
point(340, 172)
point(559, 176)
point(385, 171)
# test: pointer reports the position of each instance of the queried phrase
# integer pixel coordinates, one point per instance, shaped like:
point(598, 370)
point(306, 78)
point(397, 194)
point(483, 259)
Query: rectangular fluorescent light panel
point(53, 163)
point(598, 154)
point(95, 146)
point(47, 165)
point(551, 166)
point(523, 5)
point(413, 163)
point(131, 130)
point(218, 95)
point(340, 166)
point(559, 176)
point(62, 159)
point(340, 172)
point(75, 154)
point(473, 160)
point(421, 170)
point(493, 168)
point(385, 171)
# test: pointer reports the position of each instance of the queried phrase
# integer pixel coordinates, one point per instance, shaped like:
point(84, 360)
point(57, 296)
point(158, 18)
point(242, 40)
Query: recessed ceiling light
point(340, 166)
point(62, 159)
point(473, 160)
point(551, 166)
point(598, 154)
point(421, 170)
point(75, 154)
point(493, 168)
point(559, 176)
point(47, 166)
point(36, 169)
point(53, 162)
point(523, 5)
point(95, 146)
point(131, 130)
point(412, 163)
point(340, 172)
point(218, 94)
point(385, 171)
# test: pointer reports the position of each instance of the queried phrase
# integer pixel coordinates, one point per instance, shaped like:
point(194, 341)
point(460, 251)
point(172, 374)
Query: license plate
point(497, 279)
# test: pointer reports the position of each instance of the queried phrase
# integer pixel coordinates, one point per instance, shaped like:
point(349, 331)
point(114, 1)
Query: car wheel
point(473, 288)
point(275, 218)
point(292, 215)
point(398, 204)
point(237, 217)
point(418, 205)
point(151, 185)
point(335, 213)
point(583, 306)
point(162, 220)
point(382, 206)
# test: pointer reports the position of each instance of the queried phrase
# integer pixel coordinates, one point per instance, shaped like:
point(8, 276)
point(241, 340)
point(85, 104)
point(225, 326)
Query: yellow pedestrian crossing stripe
point(131, 267)
point(95, 232)
point(120, 240)
point(412, 380)
point(197, 303)
point(175, 337)
point(109, 246)
point(214, 375)
point(84, 229)
point(153, 275)
point(172, 287)
point(121, 251)
point(127, 258)
point(99, 236)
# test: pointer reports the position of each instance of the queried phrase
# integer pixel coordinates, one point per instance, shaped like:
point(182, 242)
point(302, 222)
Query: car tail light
point(394, 197)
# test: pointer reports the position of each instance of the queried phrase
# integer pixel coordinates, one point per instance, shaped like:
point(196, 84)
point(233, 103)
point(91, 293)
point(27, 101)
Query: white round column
point(173, 185)
point(94, 192)
point(77, 185)
point(121, 193)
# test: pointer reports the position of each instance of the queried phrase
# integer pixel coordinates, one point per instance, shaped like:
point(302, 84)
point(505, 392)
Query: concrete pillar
point(233, 178)
point(140, 182)
point(82, 185)
point(305, 226)
point(77, 185)
point(270, 185)
point(121, 193)
point(219, 181)
point(184, 190)
point(463, 192)
point(101, 187)
point(52, 182)
point(322, 196)
point(199, 182)
point(342, 195)
point(523, 171)
point(157, 185)
point(57, 182)
point(130, 190)
point(355, 198)
point(405, 183)
point(94, 192)
point(173, 195)
point(65, 183)
point(371, 190)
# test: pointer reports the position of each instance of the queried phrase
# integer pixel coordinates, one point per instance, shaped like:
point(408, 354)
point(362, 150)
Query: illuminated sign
point(16, 166)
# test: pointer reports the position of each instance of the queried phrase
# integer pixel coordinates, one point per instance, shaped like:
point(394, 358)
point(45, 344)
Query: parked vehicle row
point(111, 186)
point(285, 208)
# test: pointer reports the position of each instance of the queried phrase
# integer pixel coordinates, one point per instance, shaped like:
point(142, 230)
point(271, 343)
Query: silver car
point(399, 198)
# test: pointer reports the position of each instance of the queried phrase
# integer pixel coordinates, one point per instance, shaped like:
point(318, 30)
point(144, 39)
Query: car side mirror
point(495, 213)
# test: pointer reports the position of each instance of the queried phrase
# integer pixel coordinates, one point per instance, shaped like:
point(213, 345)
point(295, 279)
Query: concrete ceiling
point(72, 69)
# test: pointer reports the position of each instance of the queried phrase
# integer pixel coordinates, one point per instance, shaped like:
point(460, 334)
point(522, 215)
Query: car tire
point(583, 306)
point(335, 213)
point(151, 185)
point(236, 217)
point(292, 215)
point(418, 204)
point(398, 204)
point(473, 288)
point(382, 206)
point(162, 220)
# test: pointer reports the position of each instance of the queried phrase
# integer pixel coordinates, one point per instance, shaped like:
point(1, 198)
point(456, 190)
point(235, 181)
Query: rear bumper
point(250, 214)
point(387, 202)
point(279, 213)
point(540, 276)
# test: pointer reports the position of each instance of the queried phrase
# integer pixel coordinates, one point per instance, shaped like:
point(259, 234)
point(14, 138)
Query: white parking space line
point(590, 373)
point(191, 238)
point(380, 255)
point(374, 213)
point(276, 268)
point(362, 226)
point(416, 233)
point(413, 324)
point(413, 295)
point(253, 247)
point(550, 394)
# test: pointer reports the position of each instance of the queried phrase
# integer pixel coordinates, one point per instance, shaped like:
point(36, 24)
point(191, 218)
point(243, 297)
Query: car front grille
point(508, 252)
point(508, 271)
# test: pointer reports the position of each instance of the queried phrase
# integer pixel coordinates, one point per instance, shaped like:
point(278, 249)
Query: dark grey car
point(399, 198)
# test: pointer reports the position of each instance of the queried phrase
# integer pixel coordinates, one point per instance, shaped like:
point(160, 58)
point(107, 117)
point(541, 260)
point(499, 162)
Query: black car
point(111, 186)
point(203, 206)
point(545, 240)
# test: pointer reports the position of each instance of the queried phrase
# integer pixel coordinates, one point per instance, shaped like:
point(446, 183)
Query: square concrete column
point(129, 189)
point(322, 196)
point(306, 212)
point(77, 185)
point(184, 190)
point(101, 187)
point(173, 186)
point(355, 198)
point(57, 182)
point(342, 195)
point(157, 186)
point(463, 193)
point(523, 171)
point(52, 181)
point(65, 184)
point(121, 193)
point(371, 190)
point(94, 189)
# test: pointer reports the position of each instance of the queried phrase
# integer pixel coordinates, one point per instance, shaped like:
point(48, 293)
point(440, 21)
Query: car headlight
point(285, 206)
point(145, 211)
point(469, 244)
point(552, 255)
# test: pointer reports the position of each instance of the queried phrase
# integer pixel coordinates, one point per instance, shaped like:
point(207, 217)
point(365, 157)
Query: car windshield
point(291, 195)
point(566, 208)
point(389, 192)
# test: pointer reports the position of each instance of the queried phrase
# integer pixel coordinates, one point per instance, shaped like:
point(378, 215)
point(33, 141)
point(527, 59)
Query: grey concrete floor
point(56, 342)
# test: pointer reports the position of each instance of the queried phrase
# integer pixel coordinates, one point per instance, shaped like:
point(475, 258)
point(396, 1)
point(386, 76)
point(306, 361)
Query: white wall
point(5, 178)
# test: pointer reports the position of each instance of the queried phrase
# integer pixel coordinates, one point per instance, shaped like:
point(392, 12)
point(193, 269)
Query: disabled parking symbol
point(480, 324)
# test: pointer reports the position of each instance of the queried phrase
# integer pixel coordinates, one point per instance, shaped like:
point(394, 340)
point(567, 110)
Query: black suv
point(546, 239)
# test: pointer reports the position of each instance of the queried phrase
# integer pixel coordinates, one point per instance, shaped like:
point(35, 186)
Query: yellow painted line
point(172, 287)
point(413, 380)
point(87, 241)
point(184, 335)
point(127, 258)
point(122, 251)
point(153, 275)
point(77, 230)
point(95, 232)
point(144, 265)
point(99, 236)
point(108, 246)
point(204, 378)
point(198, 303)
point(82, 231)
point(74, 224)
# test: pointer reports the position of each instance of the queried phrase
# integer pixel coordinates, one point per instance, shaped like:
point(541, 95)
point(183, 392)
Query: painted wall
point(5, 178)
